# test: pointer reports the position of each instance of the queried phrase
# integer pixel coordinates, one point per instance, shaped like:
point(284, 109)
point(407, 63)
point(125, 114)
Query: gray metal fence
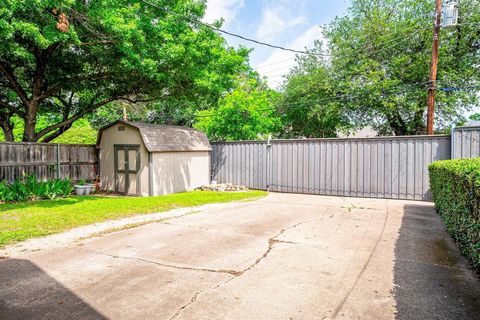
point(466, 142)
point(380, 167)
point(47, 160)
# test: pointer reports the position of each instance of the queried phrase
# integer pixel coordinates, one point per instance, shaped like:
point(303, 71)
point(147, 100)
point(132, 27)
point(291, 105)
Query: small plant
point(6, 193)
point(58, 188)
point(19, 190)
point(27, 187)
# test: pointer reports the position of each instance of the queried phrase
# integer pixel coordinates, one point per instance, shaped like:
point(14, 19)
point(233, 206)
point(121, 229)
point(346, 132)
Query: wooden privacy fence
point(380, 167)
point(47, 161)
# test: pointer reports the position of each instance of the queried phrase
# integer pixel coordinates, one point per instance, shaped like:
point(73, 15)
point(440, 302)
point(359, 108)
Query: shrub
point(455, 186)
point(6, 193)
point(28, 187)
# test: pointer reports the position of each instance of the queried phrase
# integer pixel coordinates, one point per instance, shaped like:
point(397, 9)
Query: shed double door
point(127, 167)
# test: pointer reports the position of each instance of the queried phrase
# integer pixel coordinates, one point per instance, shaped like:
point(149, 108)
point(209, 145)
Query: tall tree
point(381, 50)
point(378, 60)
point(246, 113)
point(475, 117)
point(71, 57)
point(306, 104)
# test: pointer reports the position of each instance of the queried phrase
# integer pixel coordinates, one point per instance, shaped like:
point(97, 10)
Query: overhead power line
point(193, 20)
point(450, 89)
point(366, 92)
point(473, 73)
point(230, 33)
point(402, 88)
point(352, 96)
point(337, 97)
point(274, 46)
point(275, 63)
point(378, 47)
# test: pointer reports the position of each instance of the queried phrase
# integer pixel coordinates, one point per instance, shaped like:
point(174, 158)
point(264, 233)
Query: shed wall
point(179, 171)
point(112, 136)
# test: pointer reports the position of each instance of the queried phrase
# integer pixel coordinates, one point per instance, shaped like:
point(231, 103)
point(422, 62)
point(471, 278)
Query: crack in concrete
point(271, 243)
point(195, 296)
point(231, 272)
point(234, 273)
point(288, 242)
point(218, 231)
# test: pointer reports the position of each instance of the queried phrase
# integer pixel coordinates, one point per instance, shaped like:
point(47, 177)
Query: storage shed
point(148, 159)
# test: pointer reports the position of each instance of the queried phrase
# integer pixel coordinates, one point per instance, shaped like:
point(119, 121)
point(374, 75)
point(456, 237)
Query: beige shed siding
point(180, 171)
point(112, 136)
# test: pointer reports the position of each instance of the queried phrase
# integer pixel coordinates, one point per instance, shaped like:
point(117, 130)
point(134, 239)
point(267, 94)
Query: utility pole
point(433, 67)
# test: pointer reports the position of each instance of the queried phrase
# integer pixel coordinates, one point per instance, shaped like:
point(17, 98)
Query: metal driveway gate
point(380, 167)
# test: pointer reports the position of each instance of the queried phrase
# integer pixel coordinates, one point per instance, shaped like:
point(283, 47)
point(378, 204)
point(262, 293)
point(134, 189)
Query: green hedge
point(455, 186)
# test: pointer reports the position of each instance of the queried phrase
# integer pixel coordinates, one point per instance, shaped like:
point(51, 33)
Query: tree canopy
point(372, 68)
point(72, 57)
point(81, 132)
point(475, 117)
point(246, 113)
point(306, 104)
point(62, 61)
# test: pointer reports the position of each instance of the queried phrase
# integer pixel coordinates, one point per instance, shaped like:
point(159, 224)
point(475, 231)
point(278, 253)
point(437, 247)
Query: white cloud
point(226, 9)
point(275, 19)
point(279, 62)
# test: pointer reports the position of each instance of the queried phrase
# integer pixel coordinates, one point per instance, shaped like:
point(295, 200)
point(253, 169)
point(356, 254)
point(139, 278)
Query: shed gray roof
point(164, 138)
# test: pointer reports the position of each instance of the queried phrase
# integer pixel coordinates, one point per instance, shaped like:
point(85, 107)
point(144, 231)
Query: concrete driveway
point(283, 257)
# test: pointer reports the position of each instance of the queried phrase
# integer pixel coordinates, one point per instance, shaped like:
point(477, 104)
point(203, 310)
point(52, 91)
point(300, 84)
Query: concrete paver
point(286, 256)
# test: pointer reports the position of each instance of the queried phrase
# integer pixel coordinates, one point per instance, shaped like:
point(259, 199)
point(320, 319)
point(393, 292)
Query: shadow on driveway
point(27, 292)
point(432, 280)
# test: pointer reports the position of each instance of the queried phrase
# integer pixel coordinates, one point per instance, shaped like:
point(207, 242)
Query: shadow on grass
point(27, 292)
point(432, 279)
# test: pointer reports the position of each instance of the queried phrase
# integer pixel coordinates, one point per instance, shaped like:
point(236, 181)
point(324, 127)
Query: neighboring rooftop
point(164, 138)
point(365, 132)
point(473, 123)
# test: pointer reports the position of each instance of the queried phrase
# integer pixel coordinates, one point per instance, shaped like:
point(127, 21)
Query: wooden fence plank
point(76, 161)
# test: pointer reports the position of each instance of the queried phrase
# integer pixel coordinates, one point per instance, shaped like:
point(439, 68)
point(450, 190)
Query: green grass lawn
point(21, 221)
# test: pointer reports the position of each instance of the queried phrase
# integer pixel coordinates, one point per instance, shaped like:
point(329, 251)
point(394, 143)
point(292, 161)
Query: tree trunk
point(7, 126)
point(399, 131)
point(57, 133)
point(29, 130)
point(419, 122)
point(30, 122)
point(396, 124)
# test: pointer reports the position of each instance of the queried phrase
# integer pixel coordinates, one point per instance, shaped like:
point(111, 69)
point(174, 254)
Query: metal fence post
point(268, 162)
point(452, 143)
point(58, 161)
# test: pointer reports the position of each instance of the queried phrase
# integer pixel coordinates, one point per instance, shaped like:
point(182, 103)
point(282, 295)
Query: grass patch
point(21, 221)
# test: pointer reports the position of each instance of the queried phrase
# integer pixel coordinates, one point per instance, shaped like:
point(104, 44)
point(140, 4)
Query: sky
point(289, 23)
